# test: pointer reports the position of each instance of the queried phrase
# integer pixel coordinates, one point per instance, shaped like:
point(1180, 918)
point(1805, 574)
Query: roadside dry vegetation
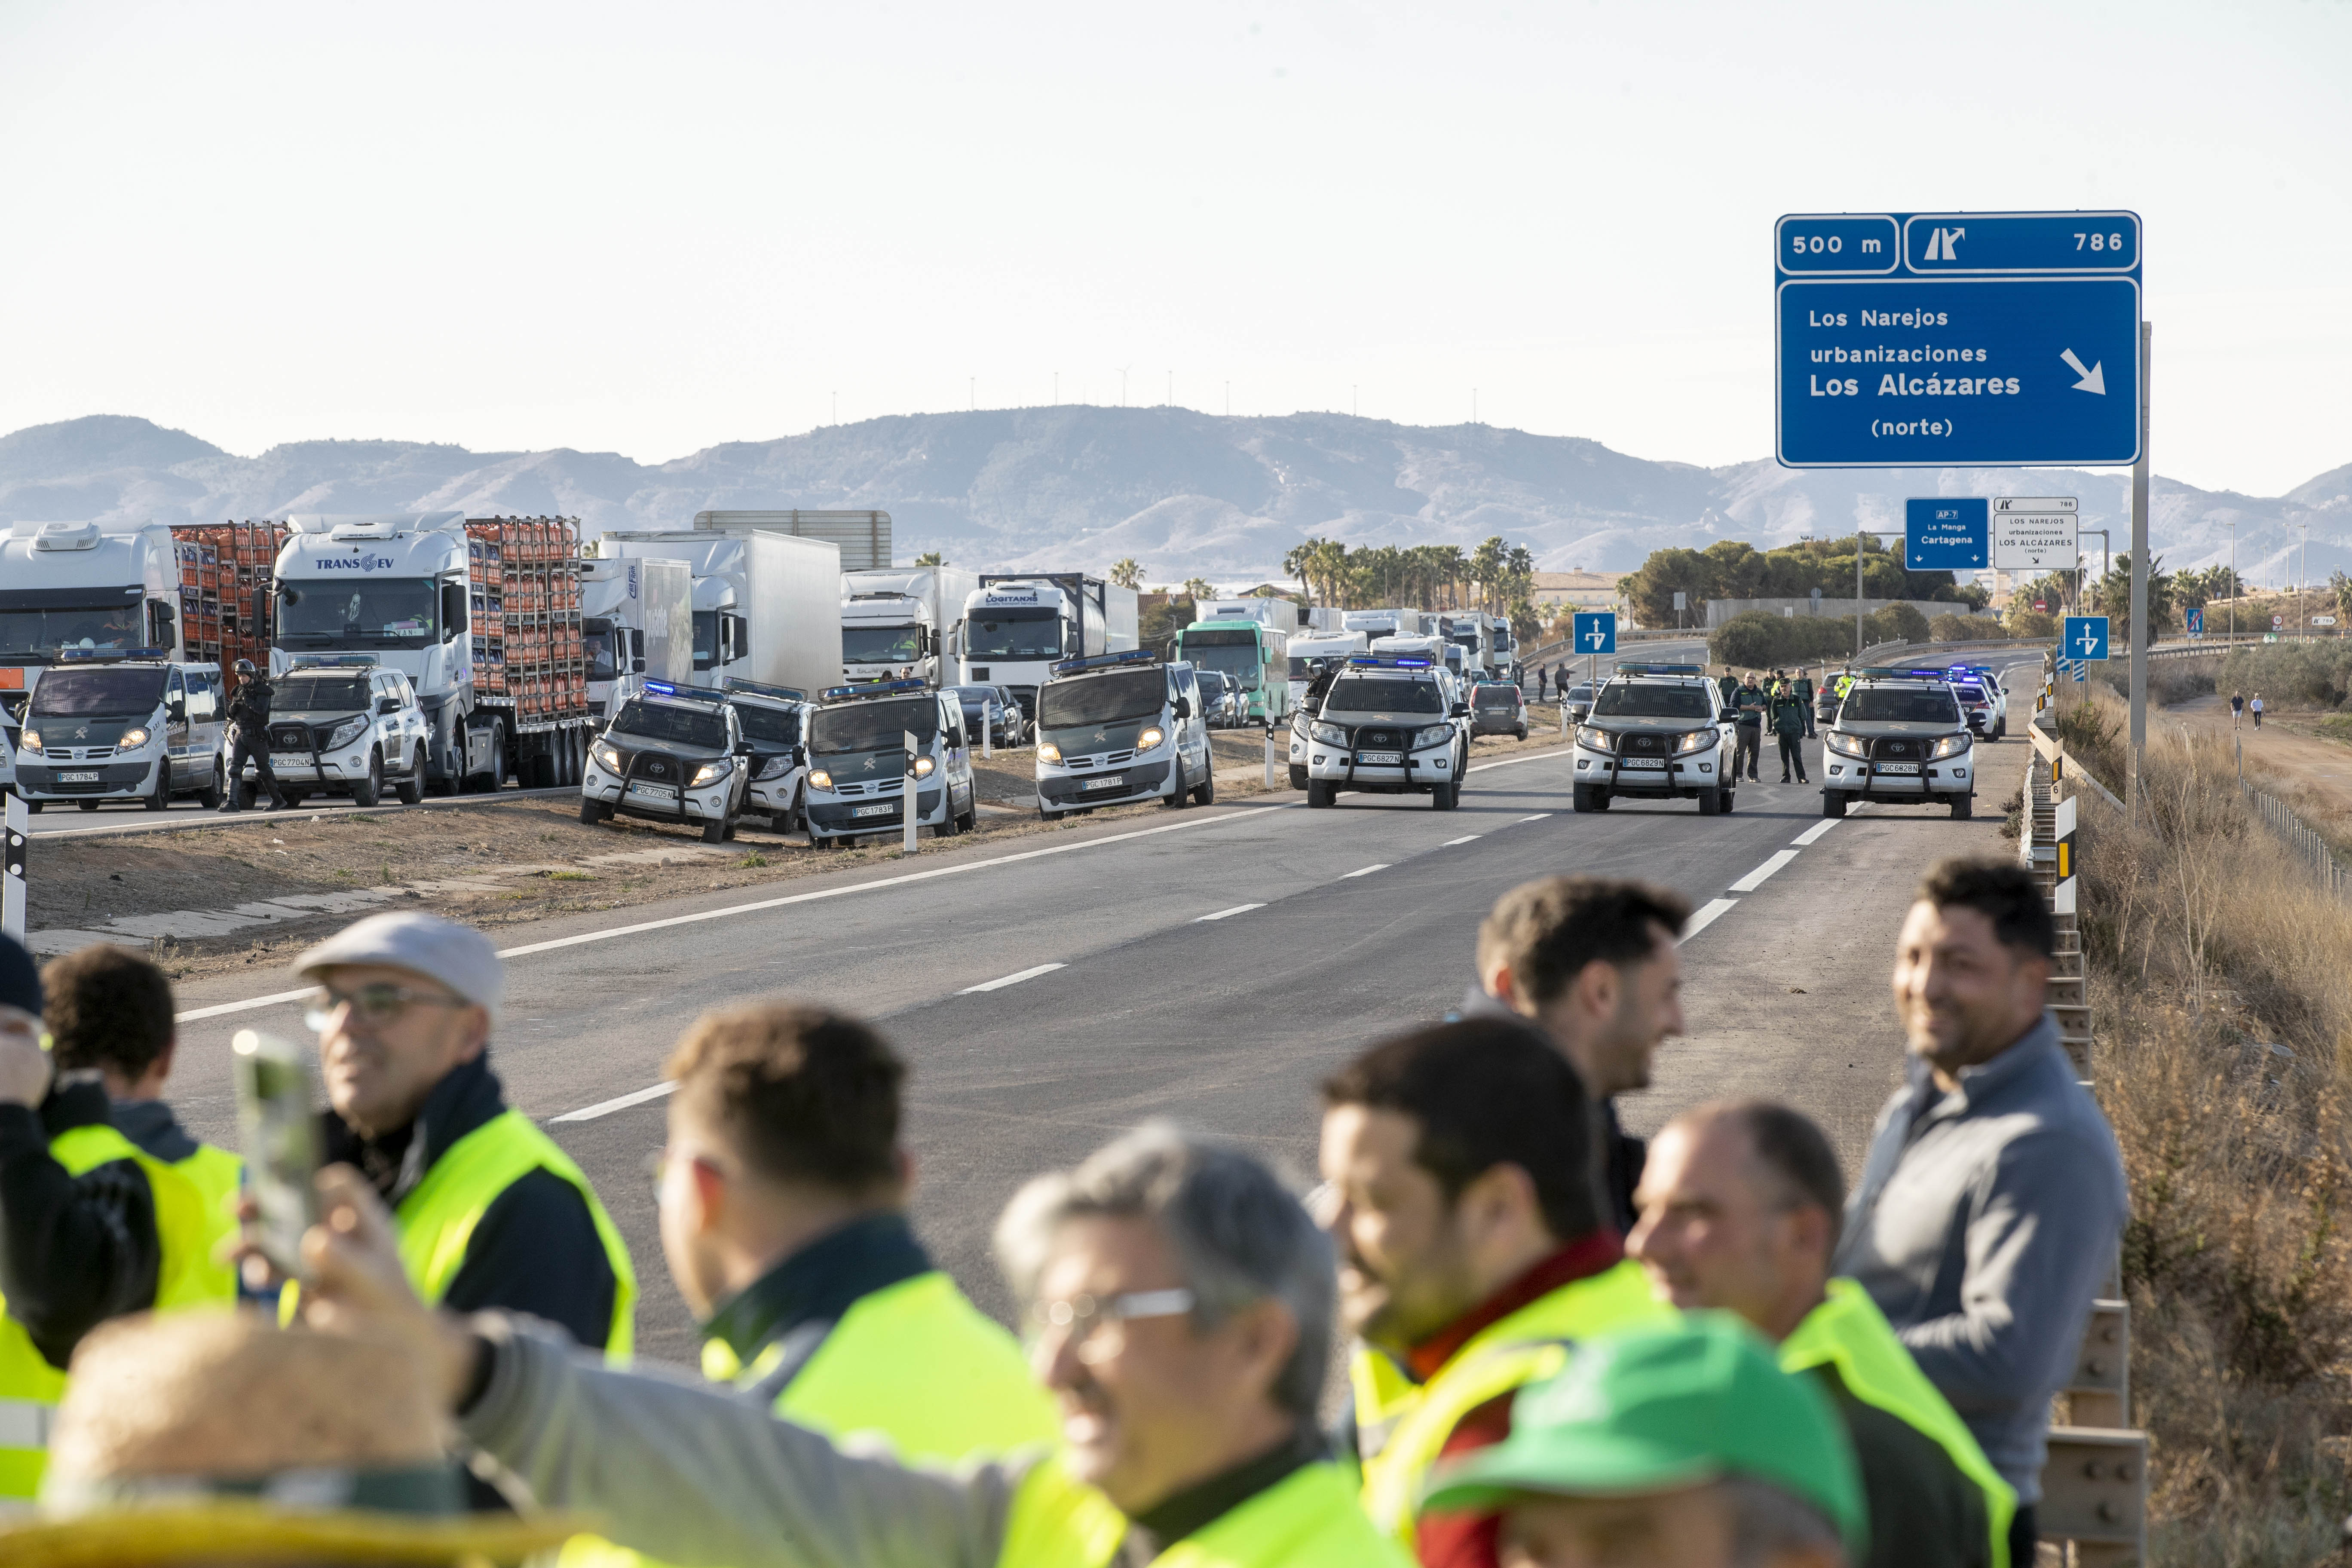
point(2221, 989)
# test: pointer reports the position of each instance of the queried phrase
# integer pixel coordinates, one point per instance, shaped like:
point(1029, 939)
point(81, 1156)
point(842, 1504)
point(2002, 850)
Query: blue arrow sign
point(2085, 638)
point(1595, 631)
point(2197, 620)
point(1924, 340)
point(1941, 533)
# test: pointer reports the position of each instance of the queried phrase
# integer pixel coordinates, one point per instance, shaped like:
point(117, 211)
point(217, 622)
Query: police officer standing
point(1748, 709)
point(1805, 695)
point(1788, 724)
point(249, 719)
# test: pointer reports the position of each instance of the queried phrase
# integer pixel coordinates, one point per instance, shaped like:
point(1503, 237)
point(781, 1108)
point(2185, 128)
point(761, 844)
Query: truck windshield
point(1890, 705)
point(706, 638)
point(872, 726)
point(672, 724)
point(596, 641)
point(1383, 694)
point(388, 612)
point(770, 726)
point(881, 645)
point(318, 693)
point(1100, 698)
point(39, 634)
point(1013, 634)
point(1621, 699)
point(97, 693)
point(1235, 652)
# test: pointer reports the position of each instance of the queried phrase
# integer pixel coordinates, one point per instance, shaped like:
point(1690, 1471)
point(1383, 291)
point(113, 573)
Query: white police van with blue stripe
point(1118, 728)
point(133, 726)
point(858, 761)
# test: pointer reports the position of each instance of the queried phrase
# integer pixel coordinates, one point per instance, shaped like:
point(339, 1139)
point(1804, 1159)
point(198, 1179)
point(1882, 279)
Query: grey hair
point(1239, 1234)
point(1766, 1521)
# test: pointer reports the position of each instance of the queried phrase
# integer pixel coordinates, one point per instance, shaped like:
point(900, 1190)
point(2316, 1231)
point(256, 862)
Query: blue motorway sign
point(1923, 339)
point(2085, 638)
point(1947, 533)
point(2196, 620)
point(1595, 631)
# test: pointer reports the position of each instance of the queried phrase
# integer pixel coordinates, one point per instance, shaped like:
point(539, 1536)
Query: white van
point(1121, 727)
point(132, 726)
point(857, 761)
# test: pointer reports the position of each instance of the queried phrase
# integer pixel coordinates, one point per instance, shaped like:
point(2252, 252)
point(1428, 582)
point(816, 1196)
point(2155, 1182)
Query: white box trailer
point(637, 618)
point(767, 606)
point(904, 621)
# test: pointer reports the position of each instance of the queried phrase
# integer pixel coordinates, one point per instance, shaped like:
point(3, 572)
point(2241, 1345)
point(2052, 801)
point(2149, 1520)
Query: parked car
point(1009, 729)
point(1580, 702)
point(1498, 709)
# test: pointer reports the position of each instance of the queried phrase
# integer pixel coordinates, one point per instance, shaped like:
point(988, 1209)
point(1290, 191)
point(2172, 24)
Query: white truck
point(1306, 651)
point(1282, 614)
point(1472, 633)
point(441, 598)
point(898, 623)
point(767, 605)
point(1017, 626)
point(94, 587)
point(636, 618)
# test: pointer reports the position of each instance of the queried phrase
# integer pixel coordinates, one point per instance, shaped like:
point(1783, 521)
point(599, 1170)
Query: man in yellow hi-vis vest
point(90, 1227)
point(784, 1191)
point(490, 1212)
point(1472, 1253)
point(1740, 1205)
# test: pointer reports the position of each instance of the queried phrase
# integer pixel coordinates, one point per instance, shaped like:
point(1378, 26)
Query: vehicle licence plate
point(1640, 762)
point(1114, 782)
point(1898, 767)
point(1380, 759)
point(290, 759)
point(653, 792)
point(887, 808)
point(77, 778)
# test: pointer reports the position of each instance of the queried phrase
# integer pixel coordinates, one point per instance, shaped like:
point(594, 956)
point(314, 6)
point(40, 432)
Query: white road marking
point(1221, 914)
point(1538, 817)
point(606, 1107)
point(731, 909)
point(1012, 979)
point(1463, 839)
point(1706, 916)
point(1365, 871)
point(1814, 832)
point(1755, 879)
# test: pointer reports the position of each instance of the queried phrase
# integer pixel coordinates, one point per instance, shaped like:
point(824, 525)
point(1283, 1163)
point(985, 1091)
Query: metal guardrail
point(2301, 841)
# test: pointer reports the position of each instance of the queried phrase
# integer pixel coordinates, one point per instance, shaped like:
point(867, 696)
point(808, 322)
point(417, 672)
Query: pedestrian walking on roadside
point(248, 730)
point(2237, 708)
point(1992, 1199)
point(1788, 725)
point(1543, 674)
point(2257, 706)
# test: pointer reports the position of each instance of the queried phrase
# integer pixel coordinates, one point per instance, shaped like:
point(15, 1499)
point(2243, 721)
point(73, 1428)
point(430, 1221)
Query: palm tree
point(1198, 588)
point(1295, 564)
point(1127, 573)
point(933, 558)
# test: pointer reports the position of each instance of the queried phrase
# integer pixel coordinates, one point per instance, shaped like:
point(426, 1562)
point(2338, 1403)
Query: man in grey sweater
point(1993, 1198)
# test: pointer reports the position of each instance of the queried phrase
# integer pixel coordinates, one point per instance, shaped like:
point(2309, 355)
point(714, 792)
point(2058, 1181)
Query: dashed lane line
point(1706, 916)
point(1813, 833)
point(1221, 914)
point(1755, 879)
point(1031, 973)
point(1463, 839)
point(1538, 817)
point(1365, 871)
point(606, 1107)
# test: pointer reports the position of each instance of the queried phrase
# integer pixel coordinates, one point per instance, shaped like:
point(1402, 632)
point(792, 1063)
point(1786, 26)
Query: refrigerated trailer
point(636, 618)
point(767, 606)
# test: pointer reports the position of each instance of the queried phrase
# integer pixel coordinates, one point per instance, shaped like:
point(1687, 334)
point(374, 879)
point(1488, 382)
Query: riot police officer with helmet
point(248, 716)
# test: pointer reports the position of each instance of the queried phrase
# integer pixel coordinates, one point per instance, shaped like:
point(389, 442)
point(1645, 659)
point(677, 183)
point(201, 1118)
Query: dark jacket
point(1789, 716)
point(74, 1250)
point(1924, 1511)
point(1747, 705)
point(248, 706)
point(1623, 1155)
point(536, 1249)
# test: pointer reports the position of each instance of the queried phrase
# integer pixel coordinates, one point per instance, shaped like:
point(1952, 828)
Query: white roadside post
point(906, 809)
point(988, 728)
point(1269, 755)
point(15, 834)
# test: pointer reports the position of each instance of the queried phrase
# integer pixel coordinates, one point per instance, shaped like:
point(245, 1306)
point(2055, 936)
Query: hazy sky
point(649, 228)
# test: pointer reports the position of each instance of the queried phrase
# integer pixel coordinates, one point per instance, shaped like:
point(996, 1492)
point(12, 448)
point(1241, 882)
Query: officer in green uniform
point(1789, 726)
point(1805, 694)
point(90, 1227)
point(491, 1213)
point(1740, 1205)
point(1727, 684)
point(1748, 704)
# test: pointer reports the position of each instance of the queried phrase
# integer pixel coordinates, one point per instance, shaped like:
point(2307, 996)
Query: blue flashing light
point(1662, 669)
point(1385, 661)
point(871, 688)
point(661, 688)
point(1105, 661)
point(733, 683)
point(679, 693)
point(106, 653)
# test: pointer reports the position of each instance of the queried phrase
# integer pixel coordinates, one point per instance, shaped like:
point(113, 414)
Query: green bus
point(1255, 654)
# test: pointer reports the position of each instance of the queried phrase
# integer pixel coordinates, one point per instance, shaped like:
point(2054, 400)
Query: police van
point(671, 753)
point(340, 724)
point(133, 725)
point(857, 761)
point(1901, 738)
point(1388, 724)
point(1121, 727)
point(770, 718)
point(1656, 732)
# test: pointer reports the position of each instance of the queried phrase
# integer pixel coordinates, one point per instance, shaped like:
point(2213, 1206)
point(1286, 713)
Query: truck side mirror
point(636, 667)
point(453, 609)
point(931, 641)
point(261, 612)
point(637, 646)
point(159, 623)
point(738, 632)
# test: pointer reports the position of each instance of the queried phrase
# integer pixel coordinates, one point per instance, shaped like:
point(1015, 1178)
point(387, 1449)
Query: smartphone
point(280, 1127)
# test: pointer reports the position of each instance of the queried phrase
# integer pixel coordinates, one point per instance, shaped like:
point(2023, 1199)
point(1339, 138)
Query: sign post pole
point(908, 795)
point(2139, 627)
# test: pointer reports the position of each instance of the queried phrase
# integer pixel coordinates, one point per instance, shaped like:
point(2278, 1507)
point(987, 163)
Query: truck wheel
point(1710, 803)
point(213, 793)
point(540, 770)
point(1319, 793)
point(1832, 803)
point(495, 779)
point(1963, 807)
point(370, 790)
point(1181, 797)
point(411, 788)
point(161, 799)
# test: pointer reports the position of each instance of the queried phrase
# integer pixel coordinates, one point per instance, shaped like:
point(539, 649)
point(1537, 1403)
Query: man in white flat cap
point(490, 1212)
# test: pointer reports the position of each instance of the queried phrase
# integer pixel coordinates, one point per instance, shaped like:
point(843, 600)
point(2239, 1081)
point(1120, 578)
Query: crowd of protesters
point(1564, 1345)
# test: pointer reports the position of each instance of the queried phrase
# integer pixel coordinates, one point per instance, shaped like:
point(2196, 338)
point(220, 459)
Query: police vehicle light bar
point(680, 693)
point(1106, 661)
point(762, 688)
point(1385, 661)
point(335, 661)
point(1661, 669)
point(106, 653)
point(870, 689)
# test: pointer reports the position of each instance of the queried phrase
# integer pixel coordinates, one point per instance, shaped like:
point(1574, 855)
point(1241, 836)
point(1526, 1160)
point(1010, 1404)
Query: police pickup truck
point(1900, 738)
point(1121, 727)
point(1388, 724)
point(671, 753)
point(1656, 732)
point(770, 717)
point(342, 724)
point(858, 761)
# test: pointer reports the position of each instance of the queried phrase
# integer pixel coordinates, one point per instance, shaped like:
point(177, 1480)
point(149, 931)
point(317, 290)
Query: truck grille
point(659, 769)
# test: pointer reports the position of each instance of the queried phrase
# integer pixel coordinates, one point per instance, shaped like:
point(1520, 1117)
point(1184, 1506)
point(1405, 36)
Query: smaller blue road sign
point(1947, 533)
point(2086, 638)
point(1596, 631)
point(2197, 620)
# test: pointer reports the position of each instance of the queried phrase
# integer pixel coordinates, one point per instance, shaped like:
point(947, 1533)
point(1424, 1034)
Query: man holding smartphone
point(491, 1211)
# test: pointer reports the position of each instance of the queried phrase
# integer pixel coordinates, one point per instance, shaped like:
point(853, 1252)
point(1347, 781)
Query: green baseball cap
point(1655, 1410)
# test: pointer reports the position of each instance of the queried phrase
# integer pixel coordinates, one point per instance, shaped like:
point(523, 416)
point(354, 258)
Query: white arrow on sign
point(1596, 637)
point(2092, 380)
point(2090, 642)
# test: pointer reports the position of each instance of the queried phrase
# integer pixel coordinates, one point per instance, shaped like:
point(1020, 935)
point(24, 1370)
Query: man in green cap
point(1676, 1448)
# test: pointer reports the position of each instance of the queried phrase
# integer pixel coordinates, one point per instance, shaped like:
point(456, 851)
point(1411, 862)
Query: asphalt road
point(1212, 967)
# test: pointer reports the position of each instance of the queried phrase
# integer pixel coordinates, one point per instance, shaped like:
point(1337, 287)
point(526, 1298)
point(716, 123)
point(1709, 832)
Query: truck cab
point(133, 725)
point(671, 753)
point(86, 587)
point(1307, 652)
point(772, 721)
point(1391, 723)
point(858, 761)
point(1119, 728)
point(1656, 732)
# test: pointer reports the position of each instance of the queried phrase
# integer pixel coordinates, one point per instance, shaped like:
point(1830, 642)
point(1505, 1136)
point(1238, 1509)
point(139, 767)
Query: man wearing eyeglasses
point(491, 1213)
point(90, 1225)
